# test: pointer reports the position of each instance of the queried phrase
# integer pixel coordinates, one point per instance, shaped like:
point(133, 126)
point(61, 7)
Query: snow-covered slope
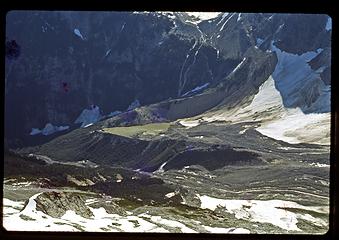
point(292, 105)
point(275, 120)
point(298, 84)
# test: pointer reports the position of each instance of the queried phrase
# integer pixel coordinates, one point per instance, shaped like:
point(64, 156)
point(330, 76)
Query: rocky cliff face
point(71, 60)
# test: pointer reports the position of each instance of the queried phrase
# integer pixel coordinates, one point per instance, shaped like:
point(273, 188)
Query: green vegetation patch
point(147, 129)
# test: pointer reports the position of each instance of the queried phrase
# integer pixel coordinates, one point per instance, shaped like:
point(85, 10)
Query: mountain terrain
point(168, 122)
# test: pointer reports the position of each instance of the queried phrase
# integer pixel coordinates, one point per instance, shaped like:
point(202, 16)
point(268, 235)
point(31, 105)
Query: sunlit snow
point(30, 219)
point(204, 15)
point(263, 211)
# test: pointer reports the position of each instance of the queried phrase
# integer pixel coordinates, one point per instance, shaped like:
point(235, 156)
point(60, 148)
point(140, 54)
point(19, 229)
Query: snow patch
point(38, 221)
point(222, 27)
point(8, 202)
point(89, 116)
point(199, 137)
point(196, 89)
point(122, 27)
point(161, 168)
point(328, 24)
point(78, 33)
point(239, 65)
point(48, 129)
point(239, 17)
point(296, 127)
point(189, 123)
point(320, 165)
point(169, 195)
point(222, 18)
point(135, 104)
point(108, 52)
point(35, 131)
point(264, 211)
point(204, 15)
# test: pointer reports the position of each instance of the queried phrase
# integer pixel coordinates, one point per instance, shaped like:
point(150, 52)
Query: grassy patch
point(148, 129)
